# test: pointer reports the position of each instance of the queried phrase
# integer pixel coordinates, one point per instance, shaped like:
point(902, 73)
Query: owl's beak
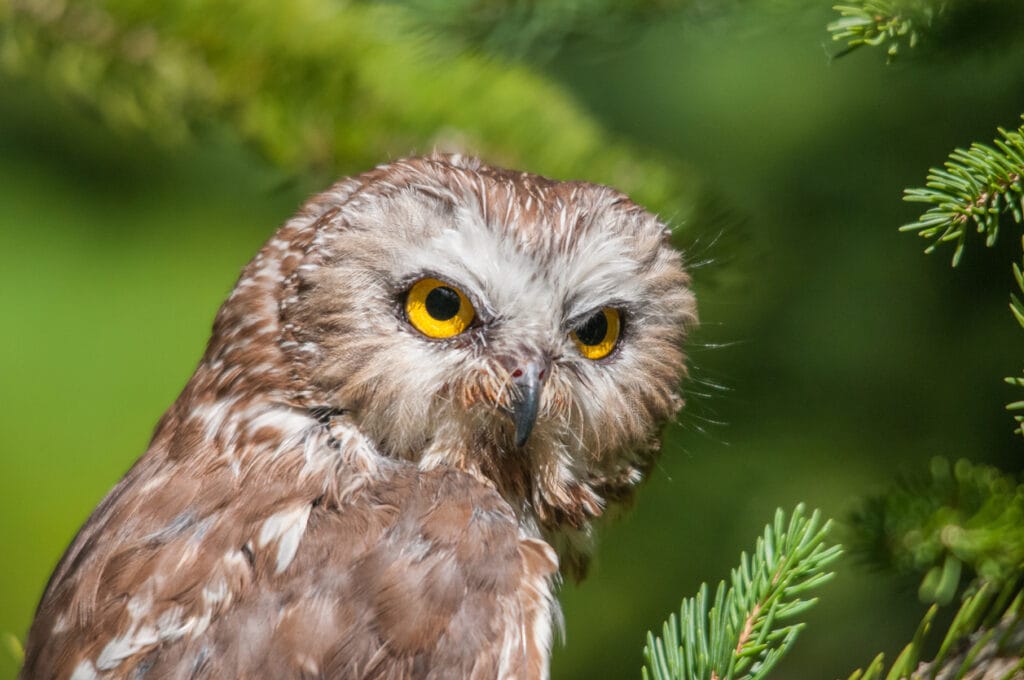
point(528, 379)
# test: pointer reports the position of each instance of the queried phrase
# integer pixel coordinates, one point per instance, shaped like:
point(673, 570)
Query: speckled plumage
point(334, 494)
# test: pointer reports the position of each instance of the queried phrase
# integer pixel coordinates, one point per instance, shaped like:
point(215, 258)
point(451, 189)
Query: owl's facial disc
point(481, 320)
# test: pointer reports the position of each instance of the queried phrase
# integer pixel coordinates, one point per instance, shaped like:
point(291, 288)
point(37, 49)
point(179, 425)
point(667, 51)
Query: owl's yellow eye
point(438, 309)
point(597, 335)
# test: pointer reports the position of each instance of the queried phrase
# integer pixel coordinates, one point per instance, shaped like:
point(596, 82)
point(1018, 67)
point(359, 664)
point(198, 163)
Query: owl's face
point(527, 330)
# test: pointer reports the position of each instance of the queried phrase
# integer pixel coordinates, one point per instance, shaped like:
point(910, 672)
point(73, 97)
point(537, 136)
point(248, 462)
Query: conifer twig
point(893, 23)
point(973, 190)
point(983, 642)
point(743, 635)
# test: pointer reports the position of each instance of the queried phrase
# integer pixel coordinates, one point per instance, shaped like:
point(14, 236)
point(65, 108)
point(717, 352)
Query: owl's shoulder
point(387, 572)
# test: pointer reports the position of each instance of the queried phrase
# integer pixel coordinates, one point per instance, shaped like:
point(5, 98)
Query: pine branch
point(958, 522)
point(973, 191)
point(950, 27)
point(983, 642)
point(742, 636)
point(896, 24)
point(1017, 309)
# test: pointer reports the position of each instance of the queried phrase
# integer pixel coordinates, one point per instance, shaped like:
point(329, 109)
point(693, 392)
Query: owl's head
point(526, 330)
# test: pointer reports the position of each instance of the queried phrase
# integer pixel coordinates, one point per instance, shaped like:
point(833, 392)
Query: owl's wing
point(416, 575)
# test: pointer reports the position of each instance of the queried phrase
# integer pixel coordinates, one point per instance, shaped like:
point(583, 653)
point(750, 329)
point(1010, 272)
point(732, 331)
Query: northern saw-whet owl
point(417, 398)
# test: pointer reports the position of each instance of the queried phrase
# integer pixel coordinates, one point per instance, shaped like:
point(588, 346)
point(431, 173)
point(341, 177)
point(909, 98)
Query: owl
point(415, 402)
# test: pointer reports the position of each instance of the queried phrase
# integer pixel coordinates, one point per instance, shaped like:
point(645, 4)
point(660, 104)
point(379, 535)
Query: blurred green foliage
point(316, 85)
point(982, 642)
point(147, 149)
point(538, 31)
point(955, 523)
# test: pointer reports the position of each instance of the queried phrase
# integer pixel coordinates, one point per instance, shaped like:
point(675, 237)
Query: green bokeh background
point(832, 352)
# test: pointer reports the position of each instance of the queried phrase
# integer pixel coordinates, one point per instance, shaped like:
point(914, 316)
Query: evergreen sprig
point(972, 192)
point(958, 522)
point(983, 642)
point(892, 23)
point(1017, 308)
point(749, 625)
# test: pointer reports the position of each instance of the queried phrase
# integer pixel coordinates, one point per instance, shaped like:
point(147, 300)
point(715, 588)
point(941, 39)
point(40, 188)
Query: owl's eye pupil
point(594, 329)
point(442, 303)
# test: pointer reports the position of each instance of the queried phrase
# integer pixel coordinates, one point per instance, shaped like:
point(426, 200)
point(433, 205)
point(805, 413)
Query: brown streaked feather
point(418, 574)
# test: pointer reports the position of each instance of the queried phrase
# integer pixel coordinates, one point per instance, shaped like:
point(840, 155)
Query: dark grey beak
point(528, 379)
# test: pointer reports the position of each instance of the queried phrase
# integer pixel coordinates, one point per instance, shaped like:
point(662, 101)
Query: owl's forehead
point(519, 240)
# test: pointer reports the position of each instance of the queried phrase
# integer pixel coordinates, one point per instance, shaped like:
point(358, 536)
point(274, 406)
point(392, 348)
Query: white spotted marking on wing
point(124, 646)
point(141, 636)
point(285, 527)
point(198, 625)
point(308, 664)
point(140, 605)
point(84, 671)
point(215, 592)
point(288, 420)
point(62, 624)
point(214, 415)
